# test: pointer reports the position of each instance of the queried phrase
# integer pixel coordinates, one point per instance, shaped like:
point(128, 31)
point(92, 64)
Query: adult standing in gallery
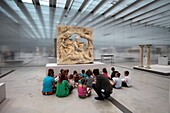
point(103, 88)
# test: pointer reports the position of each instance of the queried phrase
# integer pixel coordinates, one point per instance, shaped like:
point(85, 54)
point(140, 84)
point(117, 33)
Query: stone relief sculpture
point(70, 47)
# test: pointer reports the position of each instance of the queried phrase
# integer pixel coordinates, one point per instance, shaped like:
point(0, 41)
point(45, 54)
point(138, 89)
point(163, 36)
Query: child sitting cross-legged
point(117, 82)
point(71, 80)
point(76, 78)
point(126, 81)
point(83, 91)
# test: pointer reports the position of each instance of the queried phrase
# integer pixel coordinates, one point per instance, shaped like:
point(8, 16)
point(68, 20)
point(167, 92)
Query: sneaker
point(99, 98)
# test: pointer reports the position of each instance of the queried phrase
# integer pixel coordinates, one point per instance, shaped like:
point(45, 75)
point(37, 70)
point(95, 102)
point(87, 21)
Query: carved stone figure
point(71, 49)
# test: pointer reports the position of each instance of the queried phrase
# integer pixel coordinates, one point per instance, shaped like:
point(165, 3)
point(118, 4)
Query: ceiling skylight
point(120, 7)
point(104, 7)
point(44, 2)
point(91, 5)
point(60, 3)
point(76, 4)
point(27, 1)
point(3, 11)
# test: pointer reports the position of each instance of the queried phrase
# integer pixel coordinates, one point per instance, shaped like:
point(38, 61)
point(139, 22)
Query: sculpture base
point(2, 92)
point(159, 69)
point(72, 67)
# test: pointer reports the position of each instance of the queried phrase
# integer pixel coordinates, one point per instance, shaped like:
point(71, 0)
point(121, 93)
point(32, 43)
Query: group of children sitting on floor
point(117, 82)
point(63, 84)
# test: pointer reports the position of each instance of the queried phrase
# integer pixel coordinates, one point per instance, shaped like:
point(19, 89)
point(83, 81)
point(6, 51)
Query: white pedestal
point(77, 67)
point(163, 60)
point(2, 92)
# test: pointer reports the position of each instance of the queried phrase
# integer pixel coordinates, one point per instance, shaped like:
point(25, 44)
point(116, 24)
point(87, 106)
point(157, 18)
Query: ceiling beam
point(65, 10)
point(109, 19)
point(77, 14)
point(62, 16)
point(10, 11)
point(126, 8)
point(150, 20)
point(137, 5)
point(156, 11)
point(36, 2)
point(165, 23)
point(147, 8)
point(111, 8)
point(83, 4)
point(51, 18)
point(52, 3)
point(11, 27)
point(153, 4)
point(155, 17)
point(100, 18)
point(69, 7)
point(143, 19)
point(40, 15)
point(157, 20)
point(92, 12)
point(27, 14)
point(68, 4)
point(82, 11)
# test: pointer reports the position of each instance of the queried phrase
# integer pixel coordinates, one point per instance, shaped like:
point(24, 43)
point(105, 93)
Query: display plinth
point(163, 60)
point(159, 69)
point(2, 92)
point(77, 67)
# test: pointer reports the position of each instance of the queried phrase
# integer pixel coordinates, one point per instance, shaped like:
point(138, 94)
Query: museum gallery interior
point(132, 36)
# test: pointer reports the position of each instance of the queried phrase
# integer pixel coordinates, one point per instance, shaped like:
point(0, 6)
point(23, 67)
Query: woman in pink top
point(105, 73)
point(83, 91)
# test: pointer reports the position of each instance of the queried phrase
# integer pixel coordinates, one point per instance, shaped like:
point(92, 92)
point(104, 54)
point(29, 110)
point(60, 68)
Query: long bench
point(2, 92)
point(110, 56)
point(13, 61)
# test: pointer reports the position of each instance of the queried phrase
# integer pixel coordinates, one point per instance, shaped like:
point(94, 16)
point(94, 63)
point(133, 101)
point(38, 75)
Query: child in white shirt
point(126, 81)
point(117, 82)
point(71, 80)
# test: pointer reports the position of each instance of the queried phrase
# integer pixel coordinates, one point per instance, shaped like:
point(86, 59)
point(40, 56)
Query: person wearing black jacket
point(103, 88)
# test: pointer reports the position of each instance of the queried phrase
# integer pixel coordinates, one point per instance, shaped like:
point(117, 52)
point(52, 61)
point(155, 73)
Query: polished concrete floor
point(149, 94)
